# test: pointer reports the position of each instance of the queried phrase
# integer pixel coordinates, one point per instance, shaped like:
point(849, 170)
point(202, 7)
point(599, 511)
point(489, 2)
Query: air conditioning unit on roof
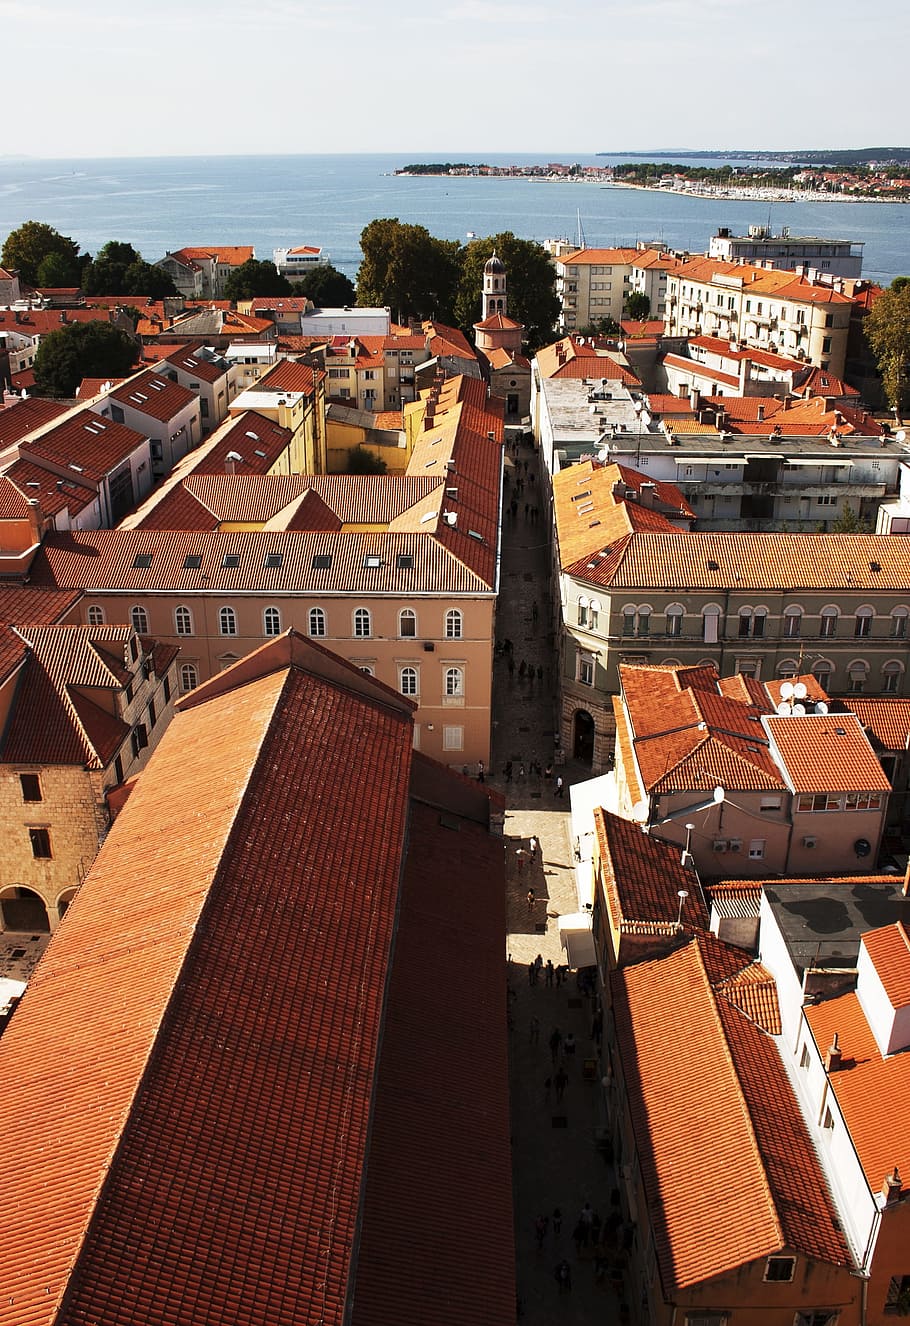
point(719, 845)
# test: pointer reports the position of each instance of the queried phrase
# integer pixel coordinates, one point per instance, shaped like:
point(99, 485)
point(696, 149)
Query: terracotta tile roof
point(18, 420)
point(41, 322)
point(287, 375)
point(889, 949)
point(642, 877)
point(188, 358)
point(759, 280)
point(644, 329)
point(448, 875)
point(497, 322)
point(153, 394)
point(590, 516)
point(443, 340)
point(697, 369)
point(89, 388)
point(19, 604)
point(229, 1130)
point(688, 736)
point(705, 1221)
point(754, 992)
point(752, 561)
point(870, 1090)
point(231, 255)
point(85, 445)
point(13, 504)
point(391, 420)
point(568, 359)
point(826, 753)
point(885, 718)
point(254, 437)
point(662, 403)
point(103, 560)
point(53, 493)
point(599, 257)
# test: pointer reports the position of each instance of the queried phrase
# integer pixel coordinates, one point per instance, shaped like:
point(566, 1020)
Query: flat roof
point(822, 920)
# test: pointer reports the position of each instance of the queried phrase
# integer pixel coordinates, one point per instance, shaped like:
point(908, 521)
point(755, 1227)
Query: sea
point(163, 203)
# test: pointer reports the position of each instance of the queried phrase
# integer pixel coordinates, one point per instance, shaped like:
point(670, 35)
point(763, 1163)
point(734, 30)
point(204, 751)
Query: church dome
point(493, 267)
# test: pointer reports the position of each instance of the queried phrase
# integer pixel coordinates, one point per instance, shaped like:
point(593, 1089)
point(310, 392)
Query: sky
point(99, 79)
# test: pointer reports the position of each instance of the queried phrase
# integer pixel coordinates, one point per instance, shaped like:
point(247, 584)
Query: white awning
point(820, 460)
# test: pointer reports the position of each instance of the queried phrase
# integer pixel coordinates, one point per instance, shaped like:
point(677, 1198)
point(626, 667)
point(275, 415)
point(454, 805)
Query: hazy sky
point(129, 79)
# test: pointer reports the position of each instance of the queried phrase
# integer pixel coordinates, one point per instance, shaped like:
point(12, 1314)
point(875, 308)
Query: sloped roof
point(18, 420)
point(747, 1185)
point(215, 1072)
point(826, 753)
point(590, 516)
point(84, 444)
point(870, 1089)
point(889, 949)
point(885, 717)
point(642, 878)
point(154, 394)
point(568, 358)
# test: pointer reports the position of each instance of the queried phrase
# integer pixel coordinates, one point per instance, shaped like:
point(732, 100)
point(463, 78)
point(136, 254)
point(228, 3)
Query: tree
point(119, 269)
point(850, 522)
point(363, 461)
point(887, 328)
point(82, 350)
point(407, 270)
point(326, 287)
point(638, 306)
point(144, 278)
point(531, 278)
point(27, 247)
point(255, 279)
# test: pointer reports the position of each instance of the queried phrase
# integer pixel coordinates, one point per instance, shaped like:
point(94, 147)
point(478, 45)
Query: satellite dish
point(901, 435)
point(799, 710)
point(719, 794)
point(821, 707)
point(786, 690)
point(783, 709)
point(800, 690)
point(603, 455)
point(862, 847)
point(640, 812)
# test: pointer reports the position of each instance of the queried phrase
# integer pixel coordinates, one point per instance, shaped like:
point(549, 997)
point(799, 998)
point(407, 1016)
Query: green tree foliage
point(531, 280)
point(887, 328)
point(326, 287)
point(255, 279)
point(27, 247)
point(850, 522)
point(82, 350)
point(407, 270)
point(638, 306)
point(363, 461)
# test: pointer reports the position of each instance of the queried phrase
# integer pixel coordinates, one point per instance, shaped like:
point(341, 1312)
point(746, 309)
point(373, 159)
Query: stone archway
point(23, 909)
point(64, 901)
point(583, 736)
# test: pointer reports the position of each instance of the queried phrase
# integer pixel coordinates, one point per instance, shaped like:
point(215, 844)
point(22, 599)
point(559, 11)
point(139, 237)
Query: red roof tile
point(827, 753)
point(18, 420)
point(85, 445)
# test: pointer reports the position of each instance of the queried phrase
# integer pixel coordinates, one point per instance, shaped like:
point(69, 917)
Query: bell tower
point(494, 289)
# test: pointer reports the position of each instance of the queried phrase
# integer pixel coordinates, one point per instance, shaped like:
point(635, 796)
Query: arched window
point(828, 623)
point(675, 614)
point(822, 669)
point(899, 623)
point(407, 624)
point(629, 614)
point(227, 621)
point(583, 613)
point(183, 621)
point(407, 681)
point(363, 627)
point(317, 622)
point(593, 614)
point(787, 668)
point(710, 616)
point(271, 622)
point(857, 673)
point(189, 677)
point(643, 625)
point(891, 677)
point(95, 615)
point(454, 681)
point(139, 620)
point(453, 624)
point(368, 671)
point(862, 622)
point(752, 621)
point(793, 620)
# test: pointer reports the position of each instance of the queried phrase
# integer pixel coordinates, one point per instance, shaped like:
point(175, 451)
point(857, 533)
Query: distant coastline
point(745, 193)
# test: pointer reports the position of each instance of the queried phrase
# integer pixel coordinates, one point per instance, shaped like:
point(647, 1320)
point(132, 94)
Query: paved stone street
point(556, 1160)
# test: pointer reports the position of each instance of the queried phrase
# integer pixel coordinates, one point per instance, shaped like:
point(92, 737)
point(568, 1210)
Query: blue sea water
point(275, 201)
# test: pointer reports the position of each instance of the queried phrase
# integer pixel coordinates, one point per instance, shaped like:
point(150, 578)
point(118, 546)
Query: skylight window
point(142, 561)
point(322, 562)
point(405, 561)
point(192, 562)
point(274, 560)
point(231, 560)
point(372, 560)
point(428, 516)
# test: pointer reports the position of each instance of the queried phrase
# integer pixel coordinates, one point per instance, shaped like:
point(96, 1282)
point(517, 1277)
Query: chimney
point(833, 1056)
point(695, 397)
point(761, 414)
point(892, 1187)
point(618, 490)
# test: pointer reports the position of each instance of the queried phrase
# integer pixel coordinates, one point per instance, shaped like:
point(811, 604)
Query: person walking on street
point(480, 771)
point(532, 848)
point(559, 786)
point(534, 1030)
point(548, 974)
point(557, 1220)
point(555, 1041)
point(563, 1275)
point(531, 901)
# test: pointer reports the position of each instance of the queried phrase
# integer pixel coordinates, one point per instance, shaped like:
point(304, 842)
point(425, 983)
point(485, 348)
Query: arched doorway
point(23, 909)
point(64, 901)
point(583, 737)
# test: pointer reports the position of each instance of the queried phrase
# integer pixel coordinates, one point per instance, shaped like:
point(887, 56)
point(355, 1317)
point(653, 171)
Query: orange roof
point(54, 494)
point(597, 257)
point(871, 1091)
point(749, 1185)
point(233, 255)
point(569, 359)
point(826, 753)
point(85, 446)
point(889, 949)
point(887, 717)
point(590, 514)
point(18, 420)
point(759, 280)
point(642, 877)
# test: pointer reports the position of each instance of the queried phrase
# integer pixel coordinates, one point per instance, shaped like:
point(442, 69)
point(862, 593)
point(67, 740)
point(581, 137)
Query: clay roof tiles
point(153, 394)
point(827, 753)
point(85, 444)
point(707, 1222)
point(886, 718)
point(889, 949)
point(22, 418)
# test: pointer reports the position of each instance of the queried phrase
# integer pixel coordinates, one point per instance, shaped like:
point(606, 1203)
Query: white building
point(829, 257)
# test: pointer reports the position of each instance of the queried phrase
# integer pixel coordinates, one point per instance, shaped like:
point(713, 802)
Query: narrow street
point(557, 1164)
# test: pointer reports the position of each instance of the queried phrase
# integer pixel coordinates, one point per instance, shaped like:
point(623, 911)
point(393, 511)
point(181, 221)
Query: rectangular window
point(41, 843)
point(452, 738)
point(31, 787)
point(139, 738)
point(780, 1268)
point(166, 690)
point(153, 716)
point(586, 671)
point(757, 849)
point(805, 1057)
point(769, 804)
